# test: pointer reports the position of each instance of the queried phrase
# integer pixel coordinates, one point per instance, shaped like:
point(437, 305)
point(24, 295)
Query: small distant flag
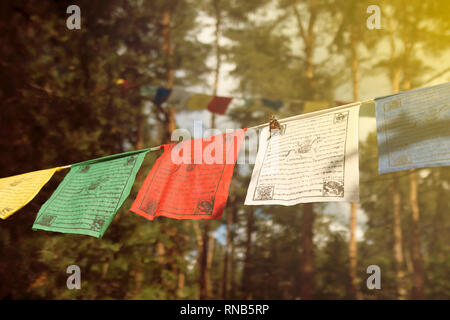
point(272, 104)
point(162, 94)
point(178, 96)
point(126, 84)
point(219, 104)
point(198, 101)
point(148, 90)
point(312, 106)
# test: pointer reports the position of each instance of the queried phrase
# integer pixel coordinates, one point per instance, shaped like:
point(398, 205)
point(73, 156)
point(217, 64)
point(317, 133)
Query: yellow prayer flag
point(198, 101)
point(312, 106)
point(17, 191)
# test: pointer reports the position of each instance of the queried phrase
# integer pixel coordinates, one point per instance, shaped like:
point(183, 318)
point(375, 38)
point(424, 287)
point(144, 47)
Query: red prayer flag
point(219, 104)
point(191, 179)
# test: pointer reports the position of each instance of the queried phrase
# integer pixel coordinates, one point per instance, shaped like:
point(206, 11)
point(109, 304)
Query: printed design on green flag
point(95, 186)
point(130, 161)
point(98, 223)
point(46, 220)
point(84, 169)
point(90, 195)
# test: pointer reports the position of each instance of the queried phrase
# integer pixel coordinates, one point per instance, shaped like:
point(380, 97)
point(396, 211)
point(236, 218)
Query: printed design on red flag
point(196, 188)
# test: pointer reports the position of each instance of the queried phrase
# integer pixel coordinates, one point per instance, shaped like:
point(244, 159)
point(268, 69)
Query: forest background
point(60, 104)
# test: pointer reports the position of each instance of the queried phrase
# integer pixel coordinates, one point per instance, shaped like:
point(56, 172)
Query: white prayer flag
point(178, 97)
point(413, 129)
point(313, 158)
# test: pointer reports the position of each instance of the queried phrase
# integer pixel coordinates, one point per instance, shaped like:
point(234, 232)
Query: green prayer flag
point(367, 109)
point(147, 90)
point(90, 195)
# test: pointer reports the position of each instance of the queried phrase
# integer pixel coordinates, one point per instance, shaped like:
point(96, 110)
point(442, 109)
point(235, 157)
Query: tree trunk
point(353, 246)
point(246, 276)
point(169, 114)
point(307, 268)
point(169, 125)
point(167, 47)
point(199, 239)
point(232, 277)
point(398, 241)
point(397, 223)
point(139, 139)
point(204, 262)
point(204, 270)
point(352, 253)
point(209, 291)
point(355, 68)
point(180, 289)
point(226, 262)
point(396, 196)
point(307, 34)
point(418, 271)
point(418, 278)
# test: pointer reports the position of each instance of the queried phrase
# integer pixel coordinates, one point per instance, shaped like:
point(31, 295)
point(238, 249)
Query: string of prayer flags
point(413, 129)
point(178, 97)
point(161, 95)
point(295, 105)
point(253, 103)
point(126, 84)
point(148, 90)
point(90, 195)
point(191, 179)
point(267, 103)
point(273, 104)
point(198, 101)
point(157, 94)
point(17, 191)
point(311, 159)
point(219, 105)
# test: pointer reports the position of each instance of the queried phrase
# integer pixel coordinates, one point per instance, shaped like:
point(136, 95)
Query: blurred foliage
point(60, 104)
